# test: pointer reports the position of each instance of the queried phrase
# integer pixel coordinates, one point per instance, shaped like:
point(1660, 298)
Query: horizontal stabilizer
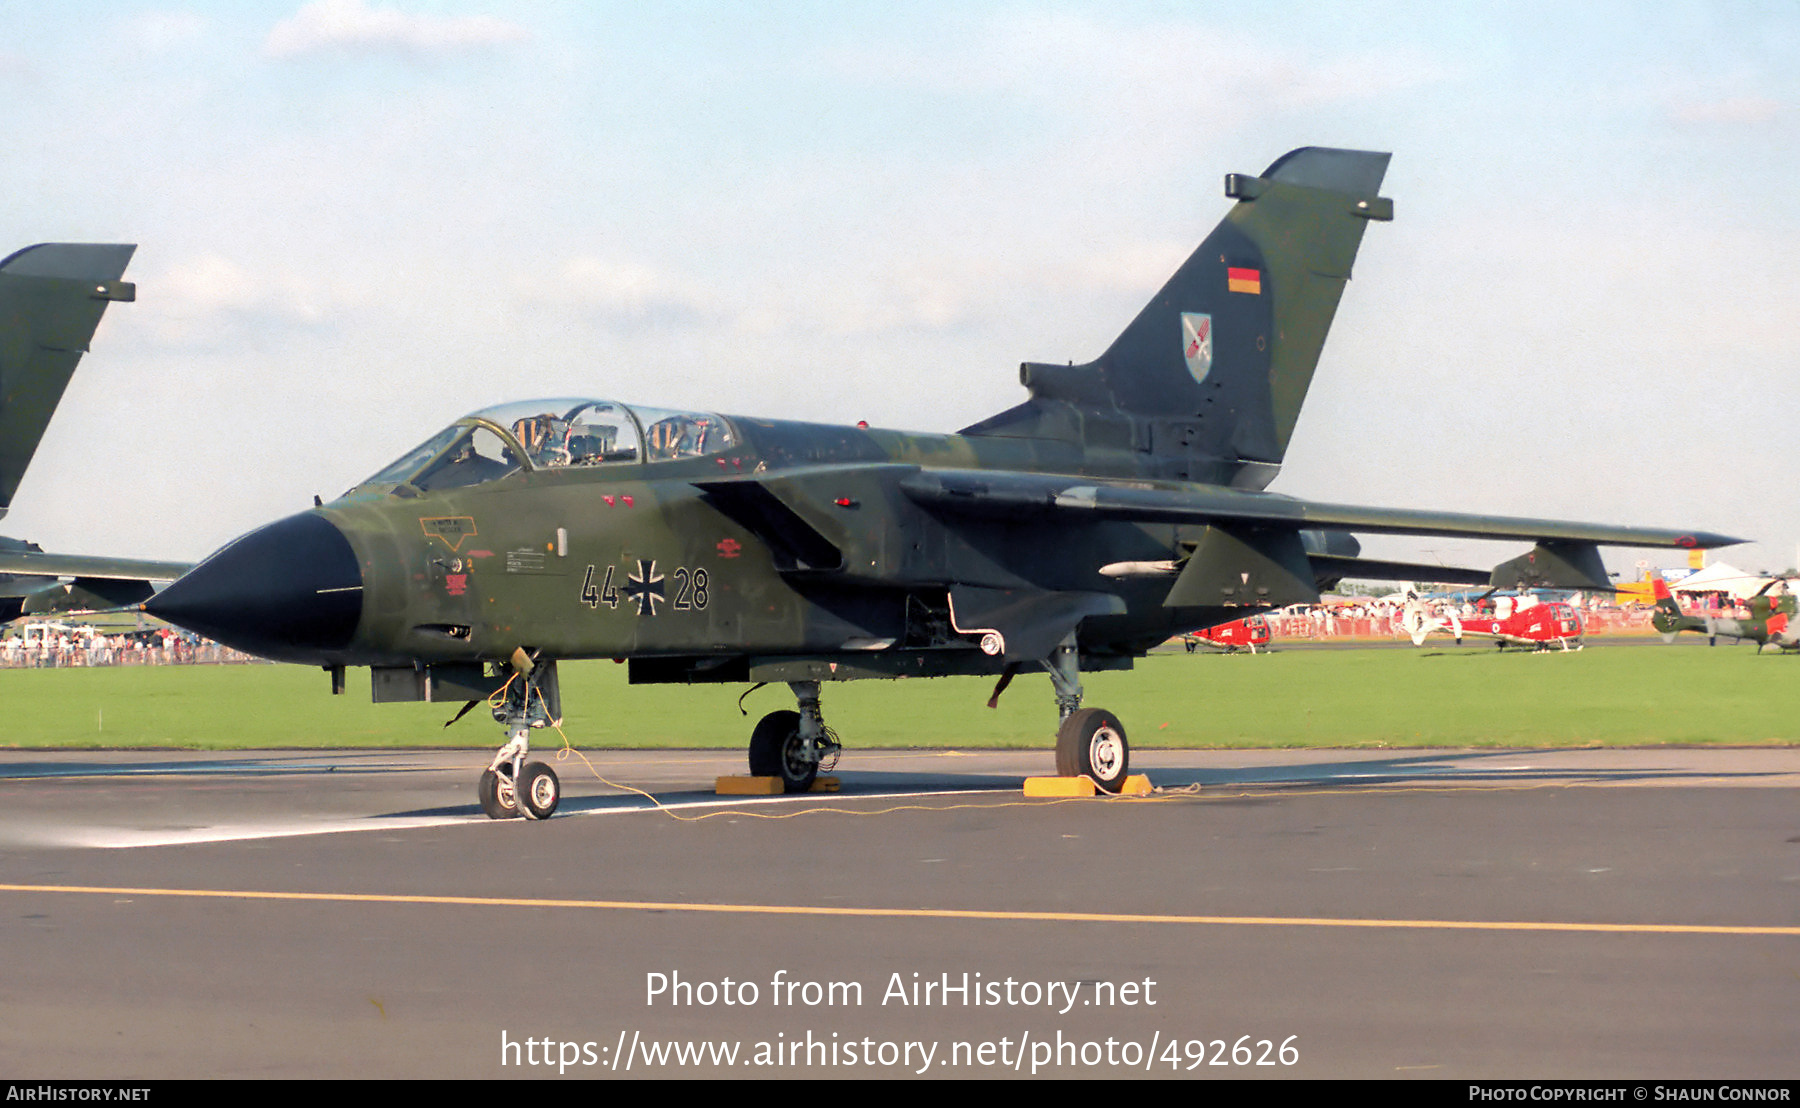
point(1399, 521)
point(86, 565)
point(1011, 493)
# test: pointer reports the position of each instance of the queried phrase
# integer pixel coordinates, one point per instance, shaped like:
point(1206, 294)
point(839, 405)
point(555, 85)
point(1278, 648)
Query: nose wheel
point(512, 786)
point(533, 793)
point(498, 797)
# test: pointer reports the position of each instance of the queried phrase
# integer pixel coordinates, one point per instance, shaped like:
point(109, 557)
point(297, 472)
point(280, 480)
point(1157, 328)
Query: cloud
point(1173, 68)
point(15, 65)
point(160, 31)
point(210, 300)
point(615, 293)
point(1736, 109)
point(352, 26)
point(946, 288)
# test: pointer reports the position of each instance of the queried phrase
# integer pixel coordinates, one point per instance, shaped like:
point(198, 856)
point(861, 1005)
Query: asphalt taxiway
point(1461, 914)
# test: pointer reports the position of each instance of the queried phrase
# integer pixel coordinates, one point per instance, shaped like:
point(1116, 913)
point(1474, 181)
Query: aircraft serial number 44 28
point(1120, 504)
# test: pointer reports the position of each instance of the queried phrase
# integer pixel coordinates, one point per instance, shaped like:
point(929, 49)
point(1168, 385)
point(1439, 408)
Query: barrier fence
point(1322, 623)
point(1316, 624)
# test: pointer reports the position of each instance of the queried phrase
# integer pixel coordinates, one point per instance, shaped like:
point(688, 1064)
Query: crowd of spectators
point(40, 646)
point(1385, 617)
point(1371, 617)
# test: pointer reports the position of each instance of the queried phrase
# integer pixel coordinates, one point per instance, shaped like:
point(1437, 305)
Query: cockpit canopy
point(552, 434)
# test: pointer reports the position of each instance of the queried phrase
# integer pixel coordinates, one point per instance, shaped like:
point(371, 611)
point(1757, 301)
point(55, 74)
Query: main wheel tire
point(1091, 743)
point(539, 790)
point(775, 752)
point(498, 797)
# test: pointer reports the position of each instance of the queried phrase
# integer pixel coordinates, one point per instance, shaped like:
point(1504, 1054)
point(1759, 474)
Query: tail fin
point(1668, 617)
point(1665, 600)
point(51, 299)
point(1209, 378)
point(1419, 619)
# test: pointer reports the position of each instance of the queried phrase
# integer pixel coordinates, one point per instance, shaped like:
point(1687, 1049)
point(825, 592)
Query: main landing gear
point(794, 746)
point(1091, 741)
point(512, 786)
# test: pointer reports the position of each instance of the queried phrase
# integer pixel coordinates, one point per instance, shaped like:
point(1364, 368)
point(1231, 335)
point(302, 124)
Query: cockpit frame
point(564, 433)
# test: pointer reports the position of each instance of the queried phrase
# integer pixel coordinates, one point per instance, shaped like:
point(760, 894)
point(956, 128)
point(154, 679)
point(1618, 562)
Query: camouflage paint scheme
point(1771, 619)
point(52, 297)
point(1120, 504)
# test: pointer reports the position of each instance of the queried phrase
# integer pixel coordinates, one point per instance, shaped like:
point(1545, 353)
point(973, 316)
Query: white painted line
point(109, 838)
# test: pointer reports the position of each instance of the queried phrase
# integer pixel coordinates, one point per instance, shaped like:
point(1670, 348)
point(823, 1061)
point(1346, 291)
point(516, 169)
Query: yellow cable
point(1159, 794)
point(569, 748)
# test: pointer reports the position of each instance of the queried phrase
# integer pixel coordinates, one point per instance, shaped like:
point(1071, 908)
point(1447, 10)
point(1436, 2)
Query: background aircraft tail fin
point(1209, 378)
point(51, 299)
point(1667, 618)
point(1665, 600)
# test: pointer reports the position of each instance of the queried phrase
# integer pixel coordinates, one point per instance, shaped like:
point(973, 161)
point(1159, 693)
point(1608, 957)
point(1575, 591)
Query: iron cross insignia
point(646, 587)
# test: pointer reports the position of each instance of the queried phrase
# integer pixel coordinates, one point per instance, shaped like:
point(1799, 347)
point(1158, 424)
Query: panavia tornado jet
point(51, 299)
point(1122, 503)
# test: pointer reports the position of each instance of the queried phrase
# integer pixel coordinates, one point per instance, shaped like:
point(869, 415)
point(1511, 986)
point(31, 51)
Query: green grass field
point(1331, 698)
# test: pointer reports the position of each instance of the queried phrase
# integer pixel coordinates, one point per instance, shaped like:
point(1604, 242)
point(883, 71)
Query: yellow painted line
point(918, 913)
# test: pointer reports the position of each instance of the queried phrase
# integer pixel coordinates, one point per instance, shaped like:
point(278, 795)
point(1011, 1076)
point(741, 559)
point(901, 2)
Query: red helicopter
point(1240, 634)
point(1509, 620)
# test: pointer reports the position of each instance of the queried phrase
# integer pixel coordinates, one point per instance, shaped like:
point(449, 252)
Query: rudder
point(1209, 378)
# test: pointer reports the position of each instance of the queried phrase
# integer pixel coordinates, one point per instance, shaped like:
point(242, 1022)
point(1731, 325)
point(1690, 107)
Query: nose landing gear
point(512, 786)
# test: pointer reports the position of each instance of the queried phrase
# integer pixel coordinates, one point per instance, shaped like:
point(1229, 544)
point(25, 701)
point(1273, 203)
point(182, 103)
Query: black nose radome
point(290, 591)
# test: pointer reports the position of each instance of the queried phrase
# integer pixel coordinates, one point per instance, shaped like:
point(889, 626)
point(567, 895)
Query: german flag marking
point(1244, 280)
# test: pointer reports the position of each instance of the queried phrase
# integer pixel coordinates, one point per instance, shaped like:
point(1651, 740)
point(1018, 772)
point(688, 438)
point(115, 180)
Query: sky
point(360, 219)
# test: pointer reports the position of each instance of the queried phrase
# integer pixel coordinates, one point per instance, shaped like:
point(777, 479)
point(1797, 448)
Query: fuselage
point(1236, 634)
point(1522, 621)
point(1534, 625)
point(1771, 620)
point(756, 537)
